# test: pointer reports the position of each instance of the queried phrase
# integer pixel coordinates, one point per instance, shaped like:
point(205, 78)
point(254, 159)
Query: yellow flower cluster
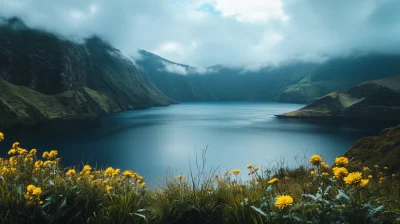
point(315, 160)
point(50, 155)
point(1, 136)
point(33, 194)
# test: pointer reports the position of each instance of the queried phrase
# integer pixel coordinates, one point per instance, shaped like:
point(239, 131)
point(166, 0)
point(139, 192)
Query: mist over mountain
point(297, 82)
point(43, 77)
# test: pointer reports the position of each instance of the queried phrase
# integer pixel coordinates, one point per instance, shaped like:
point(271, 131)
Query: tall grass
point(37, 189)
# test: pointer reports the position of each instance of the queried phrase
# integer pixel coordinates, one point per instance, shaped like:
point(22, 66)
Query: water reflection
point(149, 141)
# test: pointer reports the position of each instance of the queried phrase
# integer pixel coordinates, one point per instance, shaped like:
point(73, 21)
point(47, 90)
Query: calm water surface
point(151, 141)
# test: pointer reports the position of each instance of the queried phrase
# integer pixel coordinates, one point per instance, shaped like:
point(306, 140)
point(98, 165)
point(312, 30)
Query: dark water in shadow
point(149, 141)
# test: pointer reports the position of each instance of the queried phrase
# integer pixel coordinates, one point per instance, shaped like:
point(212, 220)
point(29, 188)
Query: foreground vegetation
point(35, 188)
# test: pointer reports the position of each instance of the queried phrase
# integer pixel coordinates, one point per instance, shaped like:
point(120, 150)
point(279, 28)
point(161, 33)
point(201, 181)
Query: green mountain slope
point(45, 77)
point(383, 150)
point(378, 100)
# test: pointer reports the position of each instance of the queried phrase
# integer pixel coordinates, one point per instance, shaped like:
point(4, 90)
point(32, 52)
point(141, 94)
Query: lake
point(152, 140)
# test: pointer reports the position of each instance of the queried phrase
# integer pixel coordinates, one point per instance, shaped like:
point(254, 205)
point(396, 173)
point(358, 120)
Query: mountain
point(377, 100)
point(293, 82)
point(383, 150)
point(45, 77)
point(221, 83)
point(341, 74)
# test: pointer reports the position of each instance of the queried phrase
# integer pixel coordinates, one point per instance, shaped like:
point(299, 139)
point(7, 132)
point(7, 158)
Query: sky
point(250, 33)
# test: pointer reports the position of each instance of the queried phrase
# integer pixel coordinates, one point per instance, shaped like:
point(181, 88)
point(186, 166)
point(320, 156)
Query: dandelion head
point(315, 159)
point(364, 182)
point(339, 172)
point(341, 161)
point(249, 166)
point(284, 201)
point(353, 178)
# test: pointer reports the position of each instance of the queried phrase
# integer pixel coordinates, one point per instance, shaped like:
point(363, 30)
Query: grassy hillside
point(383, 150)
point(378, 100)
point(46, 77)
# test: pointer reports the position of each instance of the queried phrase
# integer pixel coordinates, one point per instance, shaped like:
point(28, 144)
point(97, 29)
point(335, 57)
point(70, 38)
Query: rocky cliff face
point(383, 150)
point(377, 100)
point(44, 77)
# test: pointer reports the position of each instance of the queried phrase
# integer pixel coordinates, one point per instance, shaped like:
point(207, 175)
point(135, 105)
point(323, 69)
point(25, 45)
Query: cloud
point(252, 11)
point(202, 33)
point(174, 68)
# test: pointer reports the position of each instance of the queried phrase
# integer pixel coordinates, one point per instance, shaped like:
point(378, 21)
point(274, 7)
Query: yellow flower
point(15, 145)
point(12, 152)
point(180, 177)
point(376, 166)
point(370, 177)
point(30, 188)
point(143, 185)
point(364, 182)
point(32, 152)
point(236, 172)
point(249, 166)
point(393, 175)
point(28, 160)
point(33, 194)
point(1, 136)
point(70, 173)
point(325, 174)
point(315, 159)
point(129, 174)
point(22, 151)
point(256, 169)
point(381, 179)
point(109, 172)
point(312, 172)
point(353, 178)
point(37, 191)
point(273, 180)
point(284, 201)
point(45, 155)
point(365, 168)
point(108, 189)
point(386, 168)
point(339, 172)
point(52, 154)
point(324, 166)
point(341, 161)
point(116, 173)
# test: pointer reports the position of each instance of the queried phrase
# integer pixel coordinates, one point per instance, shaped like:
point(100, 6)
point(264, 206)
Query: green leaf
point(259, 210)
